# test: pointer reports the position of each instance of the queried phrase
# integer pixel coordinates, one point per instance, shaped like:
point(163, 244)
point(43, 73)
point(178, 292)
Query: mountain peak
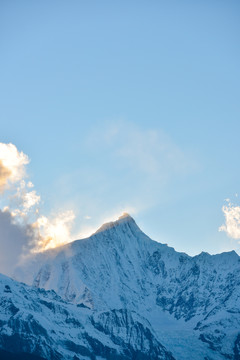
point(125, 215)
point(125, 218)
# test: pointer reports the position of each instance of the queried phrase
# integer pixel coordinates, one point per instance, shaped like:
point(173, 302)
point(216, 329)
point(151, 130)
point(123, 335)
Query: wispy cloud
point(135, 165)
point(87, 217)
point(148, 151)
point(232, 220)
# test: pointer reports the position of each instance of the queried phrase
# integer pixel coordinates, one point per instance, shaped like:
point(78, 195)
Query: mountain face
point(121, 280)
point(38, 324)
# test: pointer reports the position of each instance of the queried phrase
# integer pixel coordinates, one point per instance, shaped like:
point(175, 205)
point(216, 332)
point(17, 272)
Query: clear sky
point(127, 106)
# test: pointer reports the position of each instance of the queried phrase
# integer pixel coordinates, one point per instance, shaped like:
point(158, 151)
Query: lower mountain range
point(120, 295)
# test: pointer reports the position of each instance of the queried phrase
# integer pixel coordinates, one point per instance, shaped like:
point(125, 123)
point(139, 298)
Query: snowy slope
point(191, 302)
point(38, 322)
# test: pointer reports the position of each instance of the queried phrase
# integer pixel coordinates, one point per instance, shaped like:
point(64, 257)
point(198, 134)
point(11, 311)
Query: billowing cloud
point(5, 174)
point(51, 233)
point(232, 220)
point(23, 229)
point(12, 165)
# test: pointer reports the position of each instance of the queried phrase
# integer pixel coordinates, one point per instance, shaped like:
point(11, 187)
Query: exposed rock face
point(122, 324)
point(193, 303)
point(37, 324)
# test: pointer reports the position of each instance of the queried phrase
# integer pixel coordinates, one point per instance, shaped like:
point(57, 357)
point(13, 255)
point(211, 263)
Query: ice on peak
point(125, 218)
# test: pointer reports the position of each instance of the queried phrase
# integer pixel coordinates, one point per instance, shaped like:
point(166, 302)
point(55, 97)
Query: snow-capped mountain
point(192, 303)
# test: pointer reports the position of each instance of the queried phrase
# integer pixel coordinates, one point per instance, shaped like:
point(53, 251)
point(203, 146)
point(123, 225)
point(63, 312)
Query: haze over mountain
point(190, 305)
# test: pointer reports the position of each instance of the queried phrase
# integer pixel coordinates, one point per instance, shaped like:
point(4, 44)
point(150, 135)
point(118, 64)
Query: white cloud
point(25, 199)
point(232, 220)
point(51, 233)
point(12, 165)
point(20, 206)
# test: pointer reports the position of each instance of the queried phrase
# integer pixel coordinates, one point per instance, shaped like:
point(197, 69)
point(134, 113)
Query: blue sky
point(127, 106)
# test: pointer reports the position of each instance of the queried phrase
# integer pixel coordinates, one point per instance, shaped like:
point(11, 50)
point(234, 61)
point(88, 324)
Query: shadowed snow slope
point(38, 322)
point(193, 303)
